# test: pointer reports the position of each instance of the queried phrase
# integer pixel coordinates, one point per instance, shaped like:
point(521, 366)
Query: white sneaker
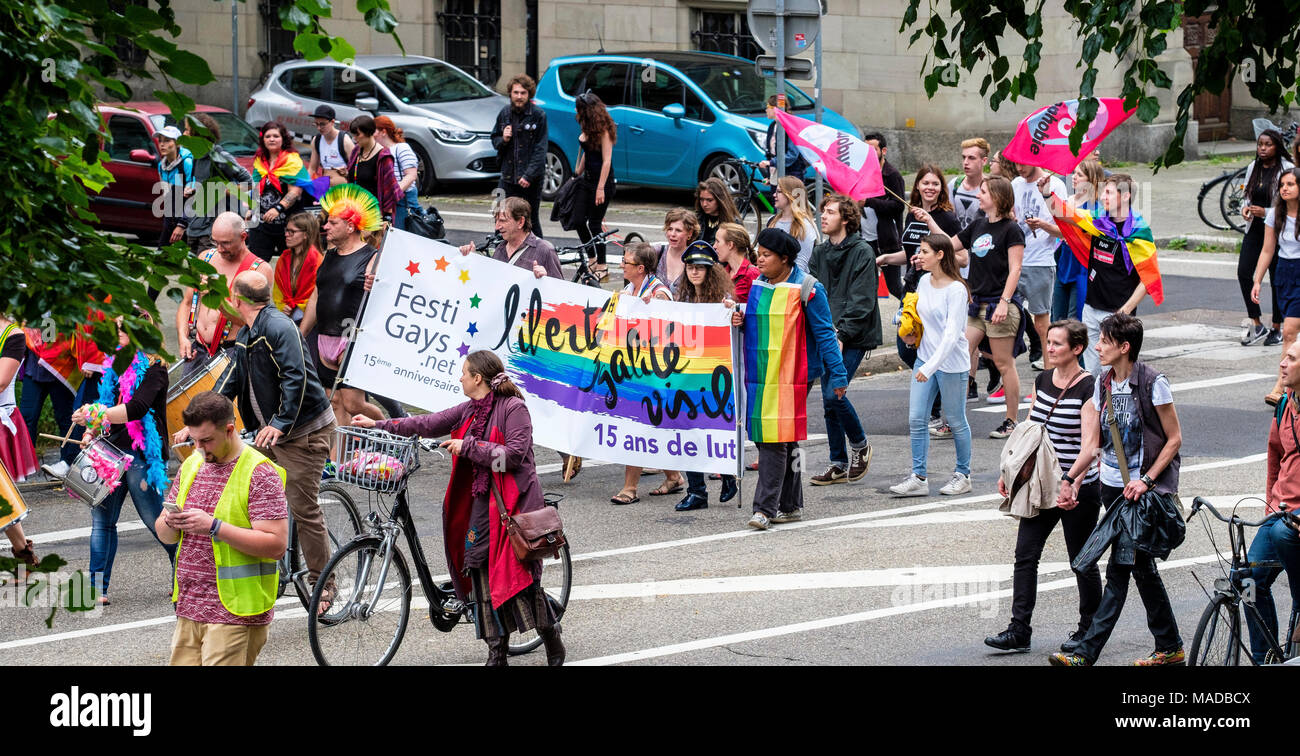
point(913, 486)
point(57, 470)
point(1037, 364)
point(1254, 334)
point(958, 485)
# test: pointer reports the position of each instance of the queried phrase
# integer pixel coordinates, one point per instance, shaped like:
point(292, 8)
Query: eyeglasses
point(288, 231)
point(630, 262)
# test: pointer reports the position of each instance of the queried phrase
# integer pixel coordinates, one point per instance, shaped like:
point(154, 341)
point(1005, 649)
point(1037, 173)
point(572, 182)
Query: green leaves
point(187, 68)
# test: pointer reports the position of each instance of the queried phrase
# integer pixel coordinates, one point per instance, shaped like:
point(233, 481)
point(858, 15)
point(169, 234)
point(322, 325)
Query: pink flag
point(849, 164)
point(1043, 139)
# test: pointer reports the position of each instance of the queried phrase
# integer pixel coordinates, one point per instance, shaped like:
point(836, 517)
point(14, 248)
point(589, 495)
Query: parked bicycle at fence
point(1226, 193)
point(1219, 641)
point(371, 606)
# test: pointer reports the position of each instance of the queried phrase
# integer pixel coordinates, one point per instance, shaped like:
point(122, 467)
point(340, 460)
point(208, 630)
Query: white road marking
point(933, 518)
point(77, 534)
point(1225, 380)
point(1188, 260)
point(846, 619)
point(1191, 331)
point(1182, 350)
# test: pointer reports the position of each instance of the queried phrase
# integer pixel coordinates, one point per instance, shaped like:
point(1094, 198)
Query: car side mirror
point(368, 104)
point(142, 156)
point(674, 111)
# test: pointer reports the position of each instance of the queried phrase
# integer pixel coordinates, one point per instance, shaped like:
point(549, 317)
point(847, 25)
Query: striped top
point(1064, 427)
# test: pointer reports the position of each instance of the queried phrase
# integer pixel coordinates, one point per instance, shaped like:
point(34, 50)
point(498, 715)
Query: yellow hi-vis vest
point(246, 584)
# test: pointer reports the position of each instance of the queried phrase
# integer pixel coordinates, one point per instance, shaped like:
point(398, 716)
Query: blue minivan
point(680, 115)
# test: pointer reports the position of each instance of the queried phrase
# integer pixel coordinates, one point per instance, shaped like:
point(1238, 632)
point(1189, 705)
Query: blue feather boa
point(111, 393)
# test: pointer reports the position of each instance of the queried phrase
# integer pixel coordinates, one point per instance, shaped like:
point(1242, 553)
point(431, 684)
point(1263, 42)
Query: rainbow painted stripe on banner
point(776, 364)
point(620, 375)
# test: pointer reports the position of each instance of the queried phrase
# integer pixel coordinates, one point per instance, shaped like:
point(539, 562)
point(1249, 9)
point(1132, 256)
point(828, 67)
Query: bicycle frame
point(400, 521)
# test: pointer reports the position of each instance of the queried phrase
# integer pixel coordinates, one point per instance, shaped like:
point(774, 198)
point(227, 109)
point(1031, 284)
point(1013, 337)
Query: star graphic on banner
point(442, 264)
point(413, 268)
point(473, 329)
point(464, 276)
point(464, 349)
point(474, 301)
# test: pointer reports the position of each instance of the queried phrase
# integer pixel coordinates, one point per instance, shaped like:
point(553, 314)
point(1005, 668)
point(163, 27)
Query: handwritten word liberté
point(635, 359)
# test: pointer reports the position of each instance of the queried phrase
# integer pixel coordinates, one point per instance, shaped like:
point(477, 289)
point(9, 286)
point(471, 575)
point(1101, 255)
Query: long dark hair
point(286, 141)
point(947, 263)
point(727, 212)
point(716, 287)
point(487, 365)
point(1279, 205)
point(1261, 178)
point(594, 120)
point(943, 202)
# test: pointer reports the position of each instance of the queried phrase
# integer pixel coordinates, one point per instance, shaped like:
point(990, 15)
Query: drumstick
point(63, 440)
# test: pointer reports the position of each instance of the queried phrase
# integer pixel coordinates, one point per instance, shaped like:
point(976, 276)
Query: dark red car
point(127, 203)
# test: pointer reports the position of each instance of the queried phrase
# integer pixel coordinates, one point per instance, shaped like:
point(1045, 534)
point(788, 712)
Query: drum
point(18, 508)
point(182, 390)
point(96, 471)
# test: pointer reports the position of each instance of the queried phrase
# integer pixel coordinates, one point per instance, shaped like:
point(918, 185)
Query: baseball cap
point(169, 132)
point(324, 111)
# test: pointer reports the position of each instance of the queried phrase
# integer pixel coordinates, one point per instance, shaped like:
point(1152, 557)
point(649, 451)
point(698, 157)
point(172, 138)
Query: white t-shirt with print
point(1130, 425)
point(1040, 246)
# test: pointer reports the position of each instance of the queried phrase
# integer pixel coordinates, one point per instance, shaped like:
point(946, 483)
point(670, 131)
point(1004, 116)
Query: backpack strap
point(807, 287)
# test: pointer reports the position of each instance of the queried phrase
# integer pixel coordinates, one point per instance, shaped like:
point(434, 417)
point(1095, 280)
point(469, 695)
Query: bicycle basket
point(375, 460)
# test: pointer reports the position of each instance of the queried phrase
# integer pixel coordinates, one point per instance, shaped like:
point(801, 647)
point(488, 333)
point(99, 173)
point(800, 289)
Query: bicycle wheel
point(1212, 219)
point(1232, 197)
point(1217, 642)
point(364, 624)
point(342, 524)
point(751, 213)
point(557, 581)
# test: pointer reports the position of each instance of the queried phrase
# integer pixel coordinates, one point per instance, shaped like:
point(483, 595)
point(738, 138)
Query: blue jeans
point(841, 418)
point(408, 204)
point(103, 531)
point(1274, 542)
point(952, 388)
point(1066, 301)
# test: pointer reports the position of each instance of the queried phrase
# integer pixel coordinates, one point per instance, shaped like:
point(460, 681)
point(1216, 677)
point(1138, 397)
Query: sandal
point(623, 497)
point(678, 486)
point(572, 466)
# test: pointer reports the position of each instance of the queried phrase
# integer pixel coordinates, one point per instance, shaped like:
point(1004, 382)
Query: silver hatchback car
point(446, 114)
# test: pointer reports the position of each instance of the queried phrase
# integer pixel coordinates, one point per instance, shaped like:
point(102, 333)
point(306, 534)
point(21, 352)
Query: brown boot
point(498, 652)
point(554, 646)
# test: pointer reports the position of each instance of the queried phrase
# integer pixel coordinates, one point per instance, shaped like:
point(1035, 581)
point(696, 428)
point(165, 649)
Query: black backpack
point(427, 224)
point(343, 151)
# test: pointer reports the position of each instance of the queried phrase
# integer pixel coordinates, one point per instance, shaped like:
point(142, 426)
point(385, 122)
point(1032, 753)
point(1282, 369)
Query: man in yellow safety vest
point(232, 524)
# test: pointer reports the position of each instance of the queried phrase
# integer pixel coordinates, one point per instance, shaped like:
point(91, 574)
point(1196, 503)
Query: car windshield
point(237, 137)
point(431, 82)
point(737, 88)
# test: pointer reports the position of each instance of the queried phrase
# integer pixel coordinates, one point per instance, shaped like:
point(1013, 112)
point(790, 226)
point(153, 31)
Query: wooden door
point(1211, 111)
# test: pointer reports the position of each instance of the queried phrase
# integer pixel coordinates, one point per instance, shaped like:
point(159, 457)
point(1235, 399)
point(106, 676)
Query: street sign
point(802, 24)
point(795, 68)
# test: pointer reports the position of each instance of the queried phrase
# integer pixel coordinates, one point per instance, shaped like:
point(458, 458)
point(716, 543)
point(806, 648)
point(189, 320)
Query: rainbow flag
point(288, 166)
point(776, 364)
point(59, 357)
point(1078, 228)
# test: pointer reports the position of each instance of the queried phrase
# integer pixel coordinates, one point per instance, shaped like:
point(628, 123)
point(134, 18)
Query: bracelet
point(1147, 480)
point(212, 531)
point(1066, 477)
point(97, 419)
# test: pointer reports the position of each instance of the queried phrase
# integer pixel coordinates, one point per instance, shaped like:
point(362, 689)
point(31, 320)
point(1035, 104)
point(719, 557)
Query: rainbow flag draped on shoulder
point(1079, 227)
point(288, 167)
point(776, 364)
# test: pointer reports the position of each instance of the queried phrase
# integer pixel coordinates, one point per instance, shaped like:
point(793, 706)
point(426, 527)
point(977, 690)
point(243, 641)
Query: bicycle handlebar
point(600, 237)
point(488, 242)
point(1201, 503)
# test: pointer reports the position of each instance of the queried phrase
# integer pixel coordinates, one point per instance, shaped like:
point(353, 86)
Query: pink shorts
point(331, 347)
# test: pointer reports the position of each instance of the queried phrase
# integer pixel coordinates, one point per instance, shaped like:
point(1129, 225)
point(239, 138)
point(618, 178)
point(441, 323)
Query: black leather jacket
point(524, 156)
point(270, 360)
point(1152, 524)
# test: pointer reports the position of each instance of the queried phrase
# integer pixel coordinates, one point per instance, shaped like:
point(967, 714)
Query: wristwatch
point(1147, 480)
point(1004, 299)
point(1066, 477)
point(212, 531)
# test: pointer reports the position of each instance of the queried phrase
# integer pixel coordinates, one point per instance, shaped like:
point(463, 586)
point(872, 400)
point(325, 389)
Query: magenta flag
point(1043, 139)
point(847, 163)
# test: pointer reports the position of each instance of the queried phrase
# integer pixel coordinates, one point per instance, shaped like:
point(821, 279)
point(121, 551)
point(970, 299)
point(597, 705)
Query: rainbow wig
point(355, 205)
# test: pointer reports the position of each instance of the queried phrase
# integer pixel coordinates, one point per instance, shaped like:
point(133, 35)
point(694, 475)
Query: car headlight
point(453, 134)
point(758, 137)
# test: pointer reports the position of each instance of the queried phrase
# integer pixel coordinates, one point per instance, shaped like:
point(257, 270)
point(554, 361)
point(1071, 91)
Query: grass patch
point(1179, 243)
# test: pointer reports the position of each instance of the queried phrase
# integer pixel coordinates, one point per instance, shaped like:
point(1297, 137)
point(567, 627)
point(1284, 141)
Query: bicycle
point(342, 524)
point(1232, 185)
point(584, 274)
point(371, 602)
point(751, 191)
point(1218, 640)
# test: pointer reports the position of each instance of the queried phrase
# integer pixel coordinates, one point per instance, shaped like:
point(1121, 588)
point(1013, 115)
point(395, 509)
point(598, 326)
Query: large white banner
point(627, 382)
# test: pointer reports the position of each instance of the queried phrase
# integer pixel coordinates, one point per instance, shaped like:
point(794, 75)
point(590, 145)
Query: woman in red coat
point(491, 432)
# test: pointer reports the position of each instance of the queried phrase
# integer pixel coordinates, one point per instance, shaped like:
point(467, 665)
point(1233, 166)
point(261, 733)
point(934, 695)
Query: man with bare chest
point(201, 330)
